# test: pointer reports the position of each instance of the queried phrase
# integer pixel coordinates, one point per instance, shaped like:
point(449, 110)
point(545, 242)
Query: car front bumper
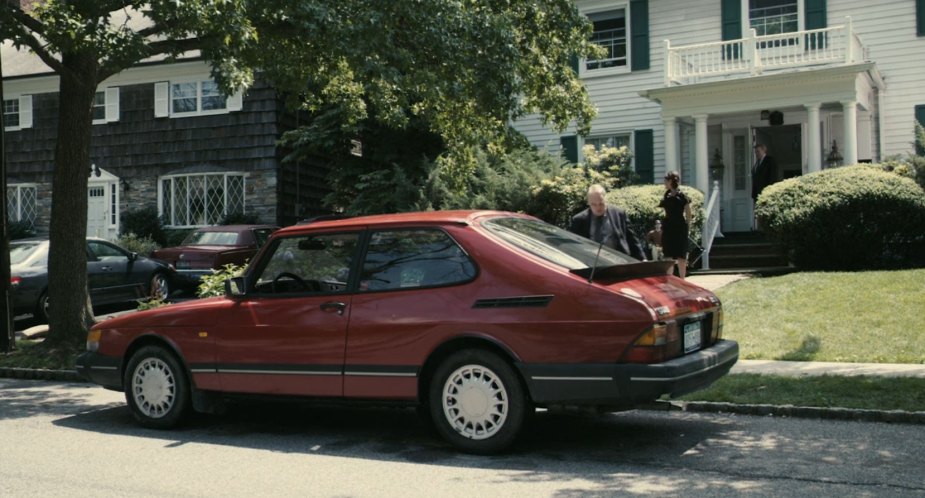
point(627, 384)
point(101, 369)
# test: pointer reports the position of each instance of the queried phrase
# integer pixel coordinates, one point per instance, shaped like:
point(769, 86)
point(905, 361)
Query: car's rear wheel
point(41, 308)
point(160, 287)
point(477, 401)
point(156, 388)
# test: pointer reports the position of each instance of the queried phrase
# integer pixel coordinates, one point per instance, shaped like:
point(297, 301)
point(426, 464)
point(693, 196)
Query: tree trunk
point(70, 313)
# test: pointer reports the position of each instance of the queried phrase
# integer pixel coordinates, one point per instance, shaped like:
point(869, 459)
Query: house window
point(196, 96)
point(610, 33)
point(99, 107)
point(11, 113)
point(773, 17)
point(201, 199)
point(615, 141)
point(21, 205)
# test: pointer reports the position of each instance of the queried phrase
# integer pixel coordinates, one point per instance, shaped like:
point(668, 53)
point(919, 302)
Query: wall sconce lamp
point(126, 186)
point(765, 115)
point(834, 157)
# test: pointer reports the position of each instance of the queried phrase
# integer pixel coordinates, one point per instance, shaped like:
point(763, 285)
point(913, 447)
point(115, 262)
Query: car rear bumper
point(101, 369)
point(627, 384)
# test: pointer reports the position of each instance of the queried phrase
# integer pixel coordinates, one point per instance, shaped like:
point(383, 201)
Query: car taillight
point(660, 342)
point(14, 281)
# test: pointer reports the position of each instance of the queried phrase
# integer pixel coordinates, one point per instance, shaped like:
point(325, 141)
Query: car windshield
point(554, 244)
point(21, 251)
point(203, 238)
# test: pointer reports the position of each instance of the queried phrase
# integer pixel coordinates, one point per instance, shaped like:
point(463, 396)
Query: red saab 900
point(479, 317)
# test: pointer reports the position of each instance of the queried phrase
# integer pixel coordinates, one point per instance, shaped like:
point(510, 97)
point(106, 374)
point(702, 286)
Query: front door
point(737, 215)
point(96, 211)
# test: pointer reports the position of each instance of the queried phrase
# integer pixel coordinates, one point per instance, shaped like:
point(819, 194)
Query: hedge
point(849, 218)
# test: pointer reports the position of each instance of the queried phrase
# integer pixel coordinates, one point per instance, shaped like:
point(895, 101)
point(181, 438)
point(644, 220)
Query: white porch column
point(671, 145)
point(815, 138)
point(850, 152)
point(701, 157)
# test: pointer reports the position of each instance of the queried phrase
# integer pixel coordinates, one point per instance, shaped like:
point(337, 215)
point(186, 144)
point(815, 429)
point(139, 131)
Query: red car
point(213, 247)
point(477, 316)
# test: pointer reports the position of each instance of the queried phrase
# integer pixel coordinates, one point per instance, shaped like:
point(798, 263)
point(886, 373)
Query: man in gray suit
point(607, 224)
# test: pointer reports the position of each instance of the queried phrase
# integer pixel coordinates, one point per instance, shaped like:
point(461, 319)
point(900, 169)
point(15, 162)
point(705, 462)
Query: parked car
point(114, 275)
point(213, 247)
point(477, 317)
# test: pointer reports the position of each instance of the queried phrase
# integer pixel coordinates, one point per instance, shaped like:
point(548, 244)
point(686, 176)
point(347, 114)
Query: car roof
point(460, 217)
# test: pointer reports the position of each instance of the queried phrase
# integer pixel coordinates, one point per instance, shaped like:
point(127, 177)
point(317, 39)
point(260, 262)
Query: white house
point(685, 79)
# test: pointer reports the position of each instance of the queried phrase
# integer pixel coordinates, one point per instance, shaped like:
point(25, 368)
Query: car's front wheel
point(160, 287)
point(156, 388)
point(477, 401)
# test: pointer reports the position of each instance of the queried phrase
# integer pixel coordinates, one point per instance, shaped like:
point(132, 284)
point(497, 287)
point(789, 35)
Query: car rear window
point(211, 239)
point(21, 251)
point(554, 244)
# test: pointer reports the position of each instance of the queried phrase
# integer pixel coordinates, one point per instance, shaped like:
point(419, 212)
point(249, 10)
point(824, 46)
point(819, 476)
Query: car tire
point(477, 402)
point(41, 308)
point(159, 287)
point(156, 388)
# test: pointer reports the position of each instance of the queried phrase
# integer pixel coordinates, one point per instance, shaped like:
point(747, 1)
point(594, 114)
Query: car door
point(408, 301)
point(287, 333)
point(109, 273)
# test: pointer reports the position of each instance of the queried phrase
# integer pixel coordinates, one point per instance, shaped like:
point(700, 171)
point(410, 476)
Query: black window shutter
point(920, 18)
point(644, 155)
point(639, 34)
point(575, 61)
point(920, 117)
point(732, 26)
point(570, 148)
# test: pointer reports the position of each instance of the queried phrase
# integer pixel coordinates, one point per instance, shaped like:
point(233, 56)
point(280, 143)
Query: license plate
point(692, 336)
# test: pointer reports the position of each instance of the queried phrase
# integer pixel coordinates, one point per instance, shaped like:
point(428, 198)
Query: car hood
point(189, 313)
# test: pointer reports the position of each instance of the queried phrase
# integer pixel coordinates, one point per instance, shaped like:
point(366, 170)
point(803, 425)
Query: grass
point(870, 393)
point(866, 317)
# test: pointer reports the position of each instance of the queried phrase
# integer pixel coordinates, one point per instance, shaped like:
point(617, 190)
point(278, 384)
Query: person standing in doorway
point(763, 174)
point(606, 225)
point(677, 222)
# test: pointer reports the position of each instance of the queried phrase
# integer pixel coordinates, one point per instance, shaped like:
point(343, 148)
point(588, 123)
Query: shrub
point(136, 243)
point(214, 284)
point(239, 218)
point(144, 222)
point(641, 205)
point(855, 217)
point(20, 229)
point(175, 236)
point(558, 198)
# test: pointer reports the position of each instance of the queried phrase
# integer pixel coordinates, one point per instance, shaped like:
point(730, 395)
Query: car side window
point(308, 264)
point(105, 252)
point(402, 259)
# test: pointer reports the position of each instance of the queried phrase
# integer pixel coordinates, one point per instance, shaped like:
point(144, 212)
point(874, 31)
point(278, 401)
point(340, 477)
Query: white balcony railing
point(753, 55)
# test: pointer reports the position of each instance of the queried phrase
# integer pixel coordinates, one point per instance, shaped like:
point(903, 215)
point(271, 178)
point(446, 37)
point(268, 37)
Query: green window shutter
point(639, 34)
point(570, 148)
point(920, 17)
point(814, 12)
point(920, 118)
point(732, 25)
point(644, 155)
point(575, 61)
point(814, 18)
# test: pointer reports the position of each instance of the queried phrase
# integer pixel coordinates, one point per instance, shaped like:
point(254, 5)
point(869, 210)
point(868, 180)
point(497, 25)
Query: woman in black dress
point(677, 220)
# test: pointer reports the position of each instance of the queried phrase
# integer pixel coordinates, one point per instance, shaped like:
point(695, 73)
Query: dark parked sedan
point(114, 275)
point(211, 248)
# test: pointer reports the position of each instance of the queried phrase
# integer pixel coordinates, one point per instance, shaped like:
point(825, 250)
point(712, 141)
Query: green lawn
point(869, 317)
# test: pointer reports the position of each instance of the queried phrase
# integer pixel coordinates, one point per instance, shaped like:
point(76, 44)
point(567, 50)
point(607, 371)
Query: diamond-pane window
point(198, 200)
point(22, 203)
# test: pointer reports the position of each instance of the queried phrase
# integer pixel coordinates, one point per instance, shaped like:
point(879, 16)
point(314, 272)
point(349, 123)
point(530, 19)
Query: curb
point(762, 410)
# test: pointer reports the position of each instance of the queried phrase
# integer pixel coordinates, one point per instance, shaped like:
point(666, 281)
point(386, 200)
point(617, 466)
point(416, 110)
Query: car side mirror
point(234, 287)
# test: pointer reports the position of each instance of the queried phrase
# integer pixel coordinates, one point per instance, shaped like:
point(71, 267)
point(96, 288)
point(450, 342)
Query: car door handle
point(334, 306)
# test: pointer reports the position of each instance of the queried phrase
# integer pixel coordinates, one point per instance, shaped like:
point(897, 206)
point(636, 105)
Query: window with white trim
point(201, 199)
point(773, 17)
point(17, 113)
point(21, 203)
point(610, 32)
point(616, 141)
point(192, 98)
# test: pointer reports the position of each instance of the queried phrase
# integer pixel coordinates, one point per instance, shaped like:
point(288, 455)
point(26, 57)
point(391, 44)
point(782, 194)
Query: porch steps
point(745, 252)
